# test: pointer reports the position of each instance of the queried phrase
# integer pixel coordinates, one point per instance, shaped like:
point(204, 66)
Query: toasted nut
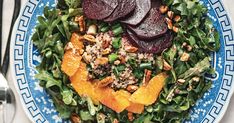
point(117, 62)
point(131, 49)
point(106, 51)
point(189, 48)
point(177, 18)
point(163, 9)
point(190, 88)
point(75, 118)
point(175, 29)
point(105, 82)
point(105, 44)
point(170, 14)
point(177, 91)
point(91, 78)
point(122, 59)
point(169, 23)
point(115, 121)
point(101, 61)
point(184, 57)
point(168, 20)
point(101, 117)
point(130, 116)
point(132, 88)
point(92, 30)
point(69, 46)
point(184, 44)
point(196, 79)
point(81, 22)
point(89, 38)
point(147, 77)
point(166, 66)
point(87, 58)
point(170, 26)
point(181, 81)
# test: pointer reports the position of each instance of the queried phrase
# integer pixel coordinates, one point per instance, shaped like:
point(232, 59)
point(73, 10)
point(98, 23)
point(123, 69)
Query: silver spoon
point(7, 99)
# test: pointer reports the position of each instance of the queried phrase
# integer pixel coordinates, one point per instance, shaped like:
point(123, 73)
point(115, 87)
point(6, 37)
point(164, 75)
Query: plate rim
point(22, 103)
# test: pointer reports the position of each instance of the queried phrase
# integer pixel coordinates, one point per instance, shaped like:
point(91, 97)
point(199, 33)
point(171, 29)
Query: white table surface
point(20, 114)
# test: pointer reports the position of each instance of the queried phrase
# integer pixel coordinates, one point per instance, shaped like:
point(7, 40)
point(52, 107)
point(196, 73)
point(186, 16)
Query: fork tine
point(1, 9)
point(6, 58)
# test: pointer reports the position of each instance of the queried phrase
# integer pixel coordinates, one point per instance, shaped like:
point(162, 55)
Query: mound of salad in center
point(120, 61)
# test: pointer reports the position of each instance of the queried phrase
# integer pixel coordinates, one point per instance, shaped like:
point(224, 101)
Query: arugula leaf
point(199, 68)
point(91, 107)
point(144, 119)
point(45, 76)
point(85, 115)
point(169, 56)
point(73, 3)
point(182, 8)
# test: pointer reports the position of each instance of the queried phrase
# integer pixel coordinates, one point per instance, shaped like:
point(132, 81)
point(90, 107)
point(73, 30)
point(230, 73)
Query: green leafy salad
point(124, 61)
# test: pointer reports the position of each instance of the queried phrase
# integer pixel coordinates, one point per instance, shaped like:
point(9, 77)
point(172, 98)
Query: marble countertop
point(20, 114)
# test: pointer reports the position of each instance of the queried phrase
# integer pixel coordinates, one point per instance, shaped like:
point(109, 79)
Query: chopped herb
point(112, 57)
point(146, 65)
point(117, 29)
point(116, 42)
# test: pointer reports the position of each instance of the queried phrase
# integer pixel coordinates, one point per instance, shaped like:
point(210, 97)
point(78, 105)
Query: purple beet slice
point(141, 10)
point(124, 8)
point(152, 26)
point(153, 46)
point(99, 9)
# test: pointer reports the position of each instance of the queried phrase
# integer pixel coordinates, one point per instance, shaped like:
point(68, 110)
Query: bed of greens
point(185, 62)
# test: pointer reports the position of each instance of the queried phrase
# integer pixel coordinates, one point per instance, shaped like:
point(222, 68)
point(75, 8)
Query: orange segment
point(70, 63)
point(132, 107)
point(122, 99)
point(71, 59)
point(112, 99)
point(81, 85)
point(152, 90)
point(135, 108)
point(77, 43)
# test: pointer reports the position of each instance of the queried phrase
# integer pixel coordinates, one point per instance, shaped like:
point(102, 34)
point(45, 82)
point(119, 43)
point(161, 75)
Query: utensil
point(7, 100)
point(7, 97)
point(6, 58)
point(1, 8)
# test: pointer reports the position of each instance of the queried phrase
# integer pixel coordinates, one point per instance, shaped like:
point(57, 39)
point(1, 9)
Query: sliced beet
point(153, 46)
point(141, 10)
point(99, 9)
point(124, 8)
point(152, 26)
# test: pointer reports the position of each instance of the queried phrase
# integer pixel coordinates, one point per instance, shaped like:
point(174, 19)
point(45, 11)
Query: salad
point(123, 61)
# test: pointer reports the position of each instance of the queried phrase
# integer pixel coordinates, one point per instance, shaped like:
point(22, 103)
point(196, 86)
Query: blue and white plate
point(39, 106)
